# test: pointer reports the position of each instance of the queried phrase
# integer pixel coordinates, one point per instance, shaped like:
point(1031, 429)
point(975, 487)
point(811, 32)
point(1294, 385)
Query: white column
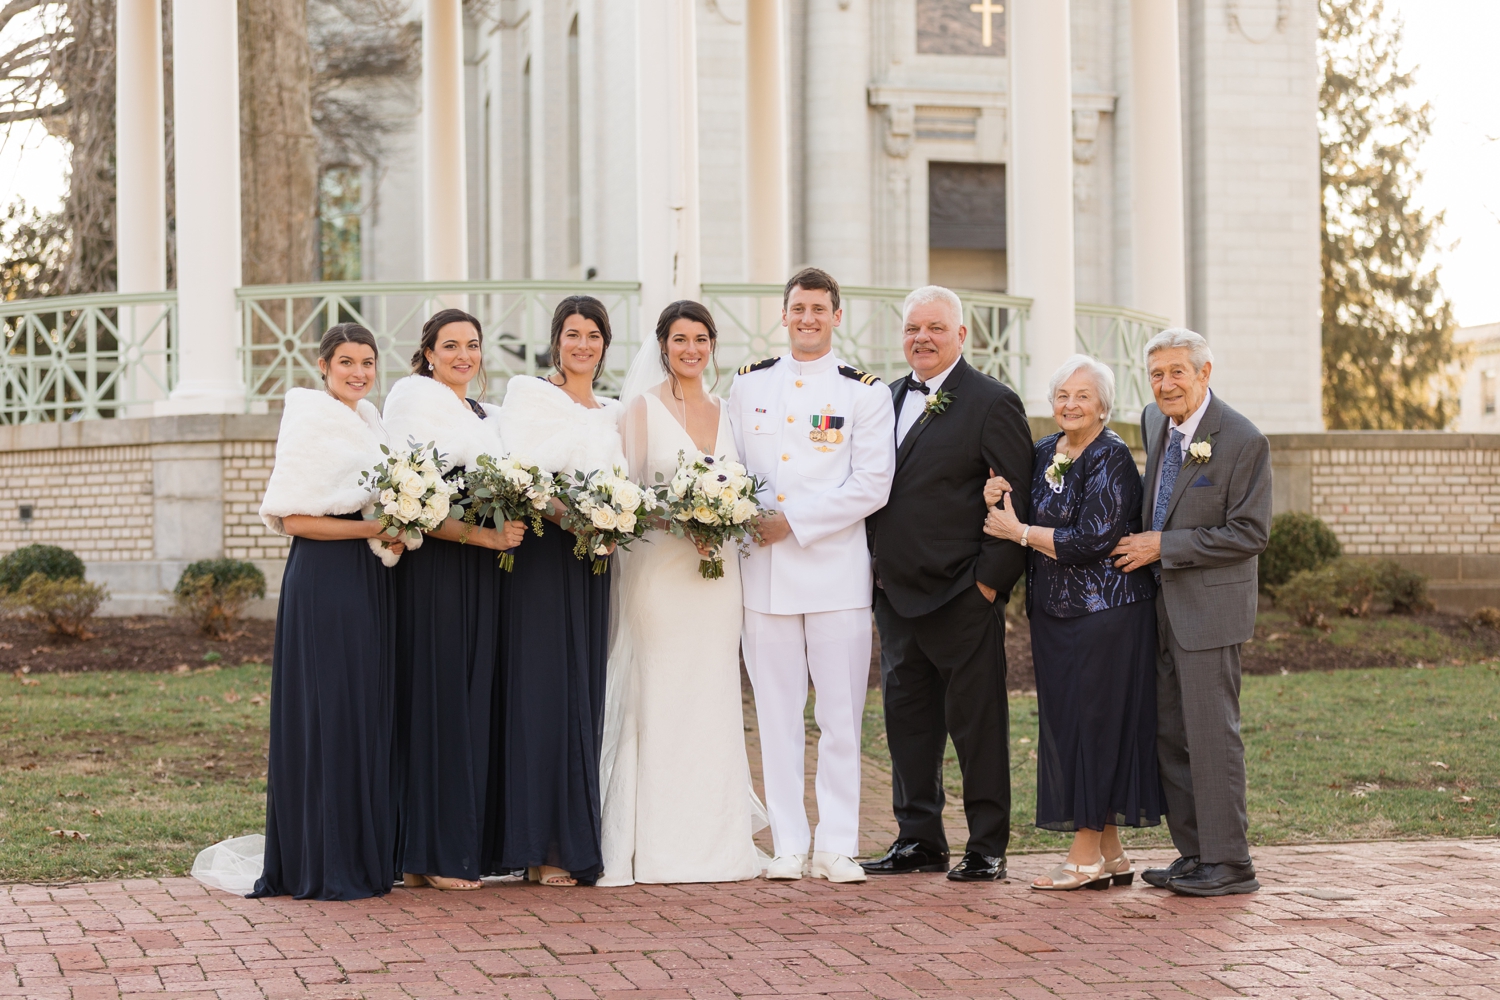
point(1159, 238)
point(206, 109)
point(766, 169)
point(141, 180)
point(445, 239)
point(666, 156)
point(837, 142)
point(1040, 181)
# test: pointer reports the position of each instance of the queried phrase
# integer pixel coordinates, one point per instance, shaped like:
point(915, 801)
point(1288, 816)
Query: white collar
point(816, 366)
point(1189, 427)
point(936, 382)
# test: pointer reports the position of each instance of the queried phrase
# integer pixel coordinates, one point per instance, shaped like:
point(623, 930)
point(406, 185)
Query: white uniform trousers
point(781, 651)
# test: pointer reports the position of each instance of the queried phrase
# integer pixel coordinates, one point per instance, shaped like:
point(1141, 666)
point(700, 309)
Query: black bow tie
point(912, 385)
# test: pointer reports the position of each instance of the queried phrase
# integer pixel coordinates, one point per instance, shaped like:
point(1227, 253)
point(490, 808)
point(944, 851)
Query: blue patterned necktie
point(1171, 465)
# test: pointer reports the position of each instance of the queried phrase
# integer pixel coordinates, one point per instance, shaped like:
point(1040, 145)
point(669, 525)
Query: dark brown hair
point(589, 308)
point(695, 312)
point(344, 333)
point(430, 330)
point(811, 279)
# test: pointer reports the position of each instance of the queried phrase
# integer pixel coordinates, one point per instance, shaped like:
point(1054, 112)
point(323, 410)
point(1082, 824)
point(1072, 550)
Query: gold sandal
point(1068, 876)
point(556, 878)
point(1119, 870)
point(439, 882)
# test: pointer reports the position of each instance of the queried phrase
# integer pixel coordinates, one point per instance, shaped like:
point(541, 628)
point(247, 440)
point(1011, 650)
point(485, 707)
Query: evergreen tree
point(1388, 354)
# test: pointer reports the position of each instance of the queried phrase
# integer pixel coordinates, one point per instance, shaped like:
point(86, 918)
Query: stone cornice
point(138, 431)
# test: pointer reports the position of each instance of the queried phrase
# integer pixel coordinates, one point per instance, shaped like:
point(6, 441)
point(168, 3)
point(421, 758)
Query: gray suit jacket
point(1218, 522)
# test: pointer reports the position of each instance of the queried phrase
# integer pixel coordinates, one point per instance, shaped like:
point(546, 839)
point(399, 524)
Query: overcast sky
point(1452, 42)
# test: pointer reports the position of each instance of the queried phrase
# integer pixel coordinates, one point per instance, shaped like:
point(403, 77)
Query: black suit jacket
point(928, 540)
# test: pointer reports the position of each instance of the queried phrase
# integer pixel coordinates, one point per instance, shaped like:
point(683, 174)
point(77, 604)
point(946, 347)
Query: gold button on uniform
point(786, 458)
point(791, 420)
point(781, 498)
point(799, 383)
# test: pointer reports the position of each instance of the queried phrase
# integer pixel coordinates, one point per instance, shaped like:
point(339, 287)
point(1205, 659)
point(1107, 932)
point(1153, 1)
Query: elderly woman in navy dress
point(448, 595)
point(330, 812)
point(1093, 632)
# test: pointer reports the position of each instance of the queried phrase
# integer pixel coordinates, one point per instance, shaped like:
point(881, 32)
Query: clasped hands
point(1130, 553)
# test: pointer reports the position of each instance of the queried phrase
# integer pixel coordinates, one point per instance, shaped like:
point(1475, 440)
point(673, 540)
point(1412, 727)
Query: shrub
point(1310, 596)
point(1488, 617)
point(64, 606)
point(214, 592)
point(1298, 542)
point(1357, 586)
point(52, 562)
point(1405, 589)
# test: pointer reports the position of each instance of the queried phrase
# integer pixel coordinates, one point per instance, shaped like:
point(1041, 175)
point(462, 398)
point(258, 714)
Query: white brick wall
point(247, 467)
point(95, 501)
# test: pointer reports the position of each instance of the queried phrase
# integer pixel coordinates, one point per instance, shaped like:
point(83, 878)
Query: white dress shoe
point(786, 867)
point(836, 867)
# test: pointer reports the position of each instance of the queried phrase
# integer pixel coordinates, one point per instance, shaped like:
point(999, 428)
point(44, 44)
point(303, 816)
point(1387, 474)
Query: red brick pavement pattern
point(1347, 921)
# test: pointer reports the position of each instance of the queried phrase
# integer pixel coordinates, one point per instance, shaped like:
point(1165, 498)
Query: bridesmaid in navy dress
point(1093, 633)
point(555, 615)
point(448, 595)
point(330, 813)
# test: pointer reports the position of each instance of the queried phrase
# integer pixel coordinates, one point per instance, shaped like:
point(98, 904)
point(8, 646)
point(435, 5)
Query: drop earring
point(429, 366)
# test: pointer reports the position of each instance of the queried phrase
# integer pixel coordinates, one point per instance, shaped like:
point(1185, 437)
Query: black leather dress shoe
point(907, 855)
point(1225, 879)
point(1159, 877)
point(976, 867)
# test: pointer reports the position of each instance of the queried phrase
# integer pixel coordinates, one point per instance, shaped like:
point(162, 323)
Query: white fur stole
point(426, 411)
point(322, 449)
point(546, 428)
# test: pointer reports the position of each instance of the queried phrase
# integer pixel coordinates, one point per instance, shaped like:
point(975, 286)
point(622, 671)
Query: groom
point(941, 588)
point(819, 433)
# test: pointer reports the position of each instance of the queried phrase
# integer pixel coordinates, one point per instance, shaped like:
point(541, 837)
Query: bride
point(678, 805)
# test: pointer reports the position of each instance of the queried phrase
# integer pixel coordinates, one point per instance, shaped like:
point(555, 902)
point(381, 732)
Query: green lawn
point(150, 767)
point(154, 767)
point(1349, 755)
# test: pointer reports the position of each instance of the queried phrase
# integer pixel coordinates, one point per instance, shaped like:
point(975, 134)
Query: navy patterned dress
point(1093, 646)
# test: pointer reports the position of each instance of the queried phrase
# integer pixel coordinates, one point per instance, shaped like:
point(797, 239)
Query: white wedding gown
point(678, 803)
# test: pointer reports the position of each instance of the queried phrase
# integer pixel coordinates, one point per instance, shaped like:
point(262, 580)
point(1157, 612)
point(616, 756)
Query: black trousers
point(943, 674)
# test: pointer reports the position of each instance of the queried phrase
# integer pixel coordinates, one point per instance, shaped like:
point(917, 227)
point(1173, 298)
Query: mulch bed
point(1295, 654)
point(151, 643)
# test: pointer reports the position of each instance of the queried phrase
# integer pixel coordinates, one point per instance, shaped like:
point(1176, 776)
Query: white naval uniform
point(807, 597)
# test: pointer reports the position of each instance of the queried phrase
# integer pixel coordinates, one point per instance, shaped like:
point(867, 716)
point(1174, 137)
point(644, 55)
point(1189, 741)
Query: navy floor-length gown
point(330, 810)
point(556, 636)
point(447, 626)
point(1093, 646)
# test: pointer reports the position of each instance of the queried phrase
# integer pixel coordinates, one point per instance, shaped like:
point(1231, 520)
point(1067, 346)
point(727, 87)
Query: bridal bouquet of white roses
point(710, 501)
point(604, 508)
point(413, 497)
point(505, 489)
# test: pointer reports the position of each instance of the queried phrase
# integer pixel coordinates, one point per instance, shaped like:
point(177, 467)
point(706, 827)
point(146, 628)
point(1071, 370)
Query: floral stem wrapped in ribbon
point(505, 489)
point(710, 501)
point(413, 496)
point(604, 508)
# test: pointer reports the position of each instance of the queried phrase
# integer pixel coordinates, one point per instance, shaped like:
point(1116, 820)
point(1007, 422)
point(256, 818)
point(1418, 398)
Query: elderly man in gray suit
point(1208, 504)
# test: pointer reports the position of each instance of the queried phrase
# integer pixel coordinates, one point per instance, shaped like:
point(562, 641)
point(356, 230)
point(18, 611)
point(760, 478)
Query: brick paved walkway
point(1348, 921)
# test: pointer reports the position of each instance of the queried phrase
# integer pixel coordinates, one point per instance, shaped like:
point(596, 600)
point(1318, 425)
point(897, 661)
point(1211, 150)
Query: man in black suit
point(940, 593)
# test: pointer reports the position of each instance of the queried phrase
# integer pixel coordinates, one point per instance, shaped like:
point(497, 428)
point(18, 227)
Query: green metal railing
point(282, 325)
point(90, 356)
point(749, 318)
point(1117, 336)
point(81, 357)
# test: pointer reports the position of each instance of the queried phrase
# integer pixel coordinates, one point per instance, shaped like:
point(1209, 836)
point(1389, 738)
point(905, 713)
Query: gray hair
point(934, 293)
point(1103, 375)
point(1178, 336)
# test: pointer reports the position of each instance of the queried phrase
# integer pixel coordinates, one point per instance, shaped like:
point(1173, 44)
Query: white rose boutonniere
point(1201, 451)
point(1059, 467)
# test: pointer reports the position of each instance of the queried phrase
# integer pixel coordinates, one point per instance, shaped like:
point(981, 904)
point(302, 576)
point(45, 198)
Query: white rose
point(399, 469)
point(701, 513)
point(1201, 450)
point(411, 485)
point(708, 484)
point(626, 521)
point(391, 509)
point(628, 495)
point(437, 509)
point(387, 496)
point(408, 507)
point(604, 518)
point(744, 510)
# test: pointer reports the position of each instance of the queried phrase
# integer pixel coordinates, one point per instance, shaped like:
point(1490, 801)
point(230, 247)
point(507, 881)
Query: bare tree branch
point(32, 114)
